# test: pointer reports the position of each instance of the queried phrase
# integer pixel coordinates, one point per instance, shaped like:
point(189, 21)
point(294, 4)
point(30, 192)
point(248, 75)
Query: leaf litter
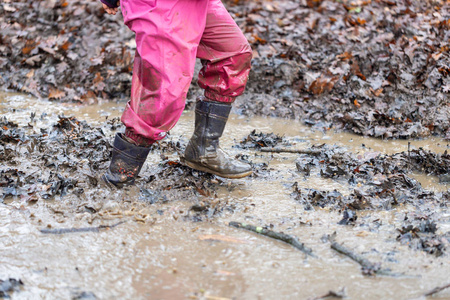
point(376, 68)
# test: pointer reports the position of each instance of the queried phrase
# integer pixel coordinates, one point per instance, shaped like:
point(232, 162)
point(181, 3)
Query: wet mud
point(67, 235)
point(322, 72)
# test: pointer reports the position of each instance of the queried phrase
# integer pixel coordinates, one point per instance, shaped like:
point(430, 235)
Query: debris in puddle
point(367, 267)
point(221, 238)
point(437, 290)
point(289, 239)
point(287, 150)
point(82, 229)
point(328, 64)
point(419, 232)
point(260, 140)
point(9, 285)
point(349, 218)
point(376, 182)
point(84, 296)
point(332, 294)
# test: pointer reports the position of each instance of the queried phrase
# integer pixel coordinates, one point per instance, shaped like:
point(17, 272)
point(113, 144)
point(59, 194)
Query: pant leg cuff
point(211, 96)
point(137, 138)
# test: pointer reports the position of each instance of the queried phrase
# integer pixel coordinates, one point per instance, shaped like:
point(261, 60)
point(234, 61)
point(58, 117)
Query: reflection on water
point(172, 259)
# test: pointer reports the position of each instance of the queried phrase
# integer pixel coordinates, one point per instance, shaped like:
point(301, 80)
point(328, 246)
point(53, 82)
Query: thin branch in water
point(437, 290)
point(332, 294)
point(368, 268)
point(287, 150)
point(82, 229)
point(275, 235)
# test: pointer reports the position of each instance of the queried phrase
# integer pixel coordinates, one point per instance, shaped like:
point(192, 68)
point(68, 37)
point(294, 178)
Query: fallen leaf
point(30, 45)
point(377, 92)
point(30, 74)
point(362, 234)
point(32, 61)
point(56, 94)
point(436, 56)
point(226, 273)
point(345, 56)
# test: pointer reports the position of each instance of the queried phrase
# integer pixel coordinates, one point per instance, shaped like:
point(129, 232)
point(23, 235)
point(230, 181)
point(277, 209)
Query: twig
point(437, 290)
point(275, 235)
point(409, 155)
point(82, 229)
point(341, 294)
point(368, 268)
point(287, 150)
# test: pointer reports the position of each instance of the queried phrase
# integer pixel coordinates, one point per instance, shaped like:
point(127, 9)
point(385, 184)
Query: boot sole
point(207, 170)
point(108, 183)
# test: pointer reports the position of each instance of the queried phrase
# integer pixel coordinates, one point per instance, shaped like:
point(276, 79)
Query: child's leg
point(226, 56)
point(167, 36)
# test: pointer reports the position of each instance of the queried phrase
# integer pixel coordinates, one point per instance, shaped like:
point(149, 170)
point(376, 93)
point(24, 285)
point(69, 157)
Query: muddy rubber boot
point(126, 162)
point(203, 152)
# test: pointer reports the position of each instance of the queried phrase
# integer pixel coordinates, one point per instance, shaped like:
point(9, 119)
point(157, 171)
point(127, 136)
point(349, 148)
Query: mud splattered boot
point(126, 162)
point(203, 152)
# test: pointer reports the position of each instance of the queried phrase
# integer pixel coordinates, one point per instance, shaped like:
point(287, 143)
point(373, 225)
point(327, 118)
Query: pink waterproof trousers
point(170, 35)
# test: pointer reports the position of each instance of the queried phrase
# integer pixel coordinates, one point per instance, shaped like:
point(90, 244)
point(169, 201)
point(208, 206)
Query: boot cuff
point(219, 98)
point(138, 139)
point(213, 109)
point(129, 149)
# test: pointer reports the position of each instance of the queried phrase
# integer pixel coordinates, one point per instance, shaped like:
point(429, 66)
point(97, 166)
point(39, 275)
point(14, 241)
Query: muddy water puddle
point(163, 252)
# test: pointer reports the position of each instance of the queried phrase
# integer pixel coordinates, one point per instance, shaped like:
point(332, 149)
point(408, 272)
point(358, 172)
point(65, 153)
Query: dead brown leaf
point(56, 94)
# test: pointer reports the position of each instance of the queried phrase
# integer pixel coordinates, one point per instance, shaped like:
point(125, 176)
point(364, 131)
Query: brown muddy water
point(160, 253)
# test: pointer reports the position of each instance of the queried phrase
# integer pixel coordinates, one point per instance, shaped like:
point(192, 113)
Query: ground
point(375, 68)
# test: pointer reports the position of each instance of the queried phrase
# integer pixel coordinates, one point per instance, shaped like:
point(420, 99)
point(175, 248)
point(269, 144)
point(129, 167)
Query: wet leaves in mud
point(9, 285)
point(50, 54)
point(377, 69)
point(151, 196)
point(9, 132)
point(260, 139)
point(84, 296)
point(67, 158)
point(378, 181)
point(349, 217)
point(51, 163)
point(419, 232)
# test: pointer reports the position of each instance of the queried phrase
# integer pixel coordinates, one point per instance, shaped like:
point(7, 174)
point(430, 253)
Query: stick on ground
point(287, 150)
point(275, 235)
point(437, 290)
point(368, 268)
point(82, 229)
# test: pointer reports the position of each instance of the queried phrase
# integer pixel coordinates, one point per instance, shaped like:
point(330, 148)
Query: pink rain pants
point(170, 35)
